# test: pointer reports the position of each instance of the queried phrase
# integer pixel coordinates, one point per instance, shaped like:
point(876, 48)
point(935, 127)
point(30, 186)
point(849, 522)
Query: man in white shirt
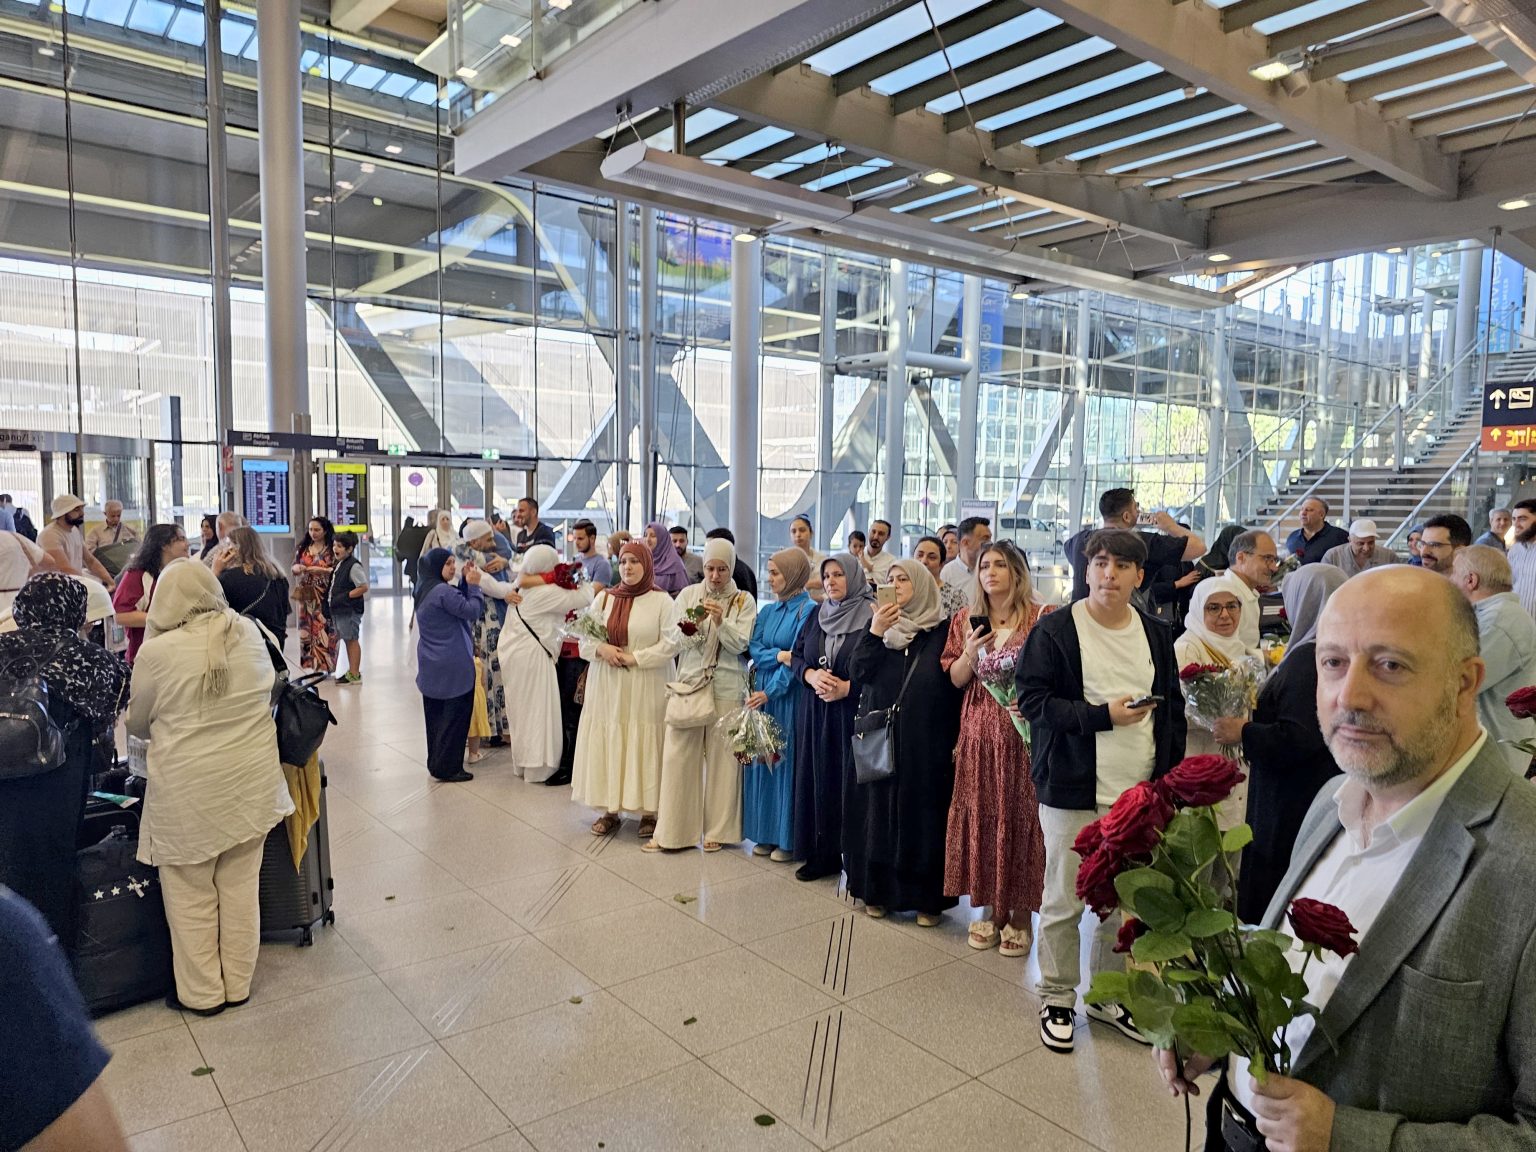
point(1252, 560)
point(1426, 1034)
point(975, 534)
point(1522, 554)
point(224, 525)
point(876, 560)
point(1506, 641)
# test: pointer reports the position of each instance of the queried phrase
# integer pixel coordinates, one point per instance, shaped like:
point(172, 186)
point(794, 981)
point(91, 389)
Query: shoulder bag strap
point(518, 609)
point(905, 680)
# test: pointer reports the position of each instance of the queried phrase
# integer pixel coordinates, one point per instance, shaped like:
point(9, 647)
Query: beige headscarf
point(185, 591)
point(795, 566)
point(922, 612)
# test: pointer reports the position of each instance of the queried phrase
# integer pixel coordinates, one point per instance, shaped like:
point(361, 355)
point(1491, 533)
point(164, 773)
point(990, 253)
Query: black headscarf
point(430, 572)
point(49, 612)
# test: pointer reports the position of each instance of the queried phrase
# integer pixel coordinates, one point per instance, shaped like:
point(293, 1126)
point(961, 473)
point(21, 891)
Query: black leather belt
point(1237, 1130)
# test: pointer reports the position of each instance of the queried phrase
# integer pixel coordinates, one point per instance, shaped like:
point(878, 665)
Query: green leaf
point(1146, 986)
point(764, 1120)
point(1159, 947)
point(1162, 911)
point(1279, 939)
point(1127, 884)
point(1200, 1028)
point(1154, 1020)
point(204, 1071)
point(690, 1020)
point(1204, 922)
point(1268, 962)
point(1205, 840)
point(1108, 988)
point(1236, 839)
point(1173, 975)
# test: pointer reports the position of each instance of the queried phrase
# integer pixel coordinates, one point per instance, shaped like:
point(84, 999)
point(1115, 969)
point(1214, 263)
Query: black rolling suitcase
point(297, 901)
point(122, 952)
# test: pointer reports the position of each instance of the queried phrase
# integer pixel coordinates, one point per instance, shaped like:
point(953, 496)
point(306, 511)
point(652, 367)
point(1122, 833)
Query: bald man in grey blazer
point(1426, 1040)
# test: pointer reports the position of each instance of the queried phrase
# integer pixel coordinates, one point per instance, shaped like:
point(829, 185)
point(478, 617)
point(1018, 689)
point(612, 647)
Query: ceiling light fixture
point(466, 73)
point(393, 149)
point(1394, 251)
point(45, 49)
point(344, 185)
point(1019, 292)
point(1218, 257)
point(1516, 204)
point(367, 168)
point(937, 177)
point(745, 236)
point(511, 41)
point(378, 202)
point(1279, 67)
point(311, 211)
point(560, 4)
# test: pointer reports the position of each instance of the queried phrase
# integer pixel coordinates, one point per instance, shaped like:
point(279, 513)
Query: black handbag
point(300, 712)
point(874, 736)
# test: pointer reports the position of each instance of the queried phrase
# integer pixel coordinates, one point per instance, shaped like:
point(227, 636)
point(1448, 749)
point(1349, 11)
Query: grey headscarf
point(922, 612)
point(1304, 592)
point(842, 618)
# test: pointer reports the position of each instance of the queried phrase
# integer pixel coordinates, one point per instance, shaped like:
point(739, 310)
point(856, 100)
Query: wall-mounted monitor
point(346, 494)
point(264, 487)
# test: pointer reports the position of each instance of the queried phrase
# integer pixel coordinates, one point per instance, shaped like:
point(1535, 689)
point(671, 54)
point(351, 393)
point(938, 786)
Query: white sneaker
point(779, 856)
point(1056, 1026)
point(1118, 1017)
point(761, 849)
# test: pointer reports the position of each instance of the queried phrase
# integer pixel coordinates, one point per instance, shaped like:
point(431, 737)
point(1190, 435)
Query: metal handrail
point(1342, 462)
point(1412, 517)
point(1251, 450)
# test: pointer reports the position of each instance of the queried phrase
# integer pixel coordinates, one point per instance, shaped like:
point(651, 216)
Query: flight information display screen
point(264, 484)
point(346, 494)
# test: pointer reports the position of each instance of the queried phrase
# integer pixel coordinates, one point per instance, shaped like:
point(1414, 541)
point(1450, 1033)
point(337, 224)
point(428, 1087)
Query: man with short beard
point(1444, 536)
point(64, 541)
point(1426, 1036)
point(1522, 554)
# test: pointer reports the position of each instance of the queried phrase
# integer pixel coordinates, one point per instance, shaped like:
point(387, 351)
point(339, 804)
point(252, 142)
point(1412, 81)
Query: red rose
point(1135, 822)
point(1131, 931)
point(1088, 840)
point(1323, 926)
point(1096, 881)
point(1191, 671)
point(571, 615)
point(1283, 614)
point(688, 628)
point(1521, 703)
point(565, 575)
point(1202, 780)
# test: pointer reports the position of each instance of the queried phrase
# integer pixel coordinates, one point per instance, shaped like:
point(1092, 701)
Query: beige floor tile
point(510, 1142)
point(366, 845)
point(547, 1061)
point(972, 1117)
point(549, 899)
point(403, 880)
point(140, 1020)
point(835, 1075)
point(689, 1109)
point(960, 1014)
point(949, 935)
point(1108, 1092)
point(632, 942)
point(151, 1084)
point(210, 1132)
point(261, 1048)
point(849, 956)
point(286, 969)
point(469, 990)
point(415, 1101)
point(728, 997)
point(479, 859)
point(756, 906)
point(396, 936)
point(669, 873)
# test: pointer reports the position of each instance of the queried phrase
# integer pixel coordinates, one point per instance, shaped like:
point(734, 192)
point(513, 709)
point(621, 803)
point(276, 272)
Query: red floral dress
point(994, 850)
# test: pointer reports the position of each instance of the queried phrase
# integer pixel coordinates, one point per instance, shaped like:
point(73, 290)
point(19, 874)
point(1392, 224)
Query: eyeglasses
point(1223, 609)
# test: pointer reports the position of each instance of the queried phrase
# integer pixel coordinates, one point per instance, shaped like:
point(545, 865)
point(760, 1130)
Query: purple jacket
point(445, 649)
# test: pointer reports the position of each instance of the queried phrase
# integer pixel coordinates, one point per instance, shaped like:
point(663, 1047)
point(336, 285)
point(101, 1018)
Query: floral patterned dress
point(486, 633)
point(994, 850)
point(317, 638)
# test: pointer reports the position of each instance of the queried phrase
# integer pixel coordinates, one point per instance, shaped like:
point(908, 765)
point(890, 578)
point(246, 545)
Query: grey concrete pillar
point(970, 391)
point(646, 416)
point(625, 346)
point(1469, 291)
point(1216, 451)
point(746, 393)
point(279, 117)
point(1081, 373)
point(218, 241)
point(897, 339)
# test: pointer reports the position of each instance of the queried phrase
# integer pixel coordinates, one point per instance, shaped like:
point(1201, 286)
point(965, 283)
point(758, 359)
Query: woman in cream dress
point(527, 651)
point(618, 746)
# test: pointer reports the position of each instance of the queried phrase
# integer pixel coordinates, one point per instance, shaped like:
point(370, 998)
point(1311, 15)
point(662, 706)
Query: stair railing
point(1296, 414)
point(1465, 464)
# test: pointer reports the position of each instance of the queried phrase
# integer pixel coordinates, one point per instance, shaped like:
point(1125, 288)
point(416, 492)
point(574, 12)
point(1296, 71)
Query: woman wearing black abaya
point(822, 657)
point(894, 830)
point(40, 815)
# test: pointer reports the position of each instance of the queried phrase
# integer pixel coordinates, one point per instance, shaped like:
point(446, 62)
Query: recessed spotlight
point(393, 149)
point(1019, 293)
point(45, 50)
point(511, 41)
point(1516, 204)
point(745, 237)
point(311, 211)
point(466, 73)
point(937, 177)
point(378, 202)
point(322, 199)
point(344, 185)
point(1218, 257)
point(1270, 70)
point(1394, 251)
point(560, 4)
point(366, 168)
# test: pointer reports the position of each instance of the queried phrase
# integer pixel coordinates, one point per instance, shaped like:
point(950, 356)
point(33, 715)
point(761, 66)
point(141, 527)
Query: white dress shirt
point(955, 572)
point(1357, 874)
point(878, 565)
point(1522, 562)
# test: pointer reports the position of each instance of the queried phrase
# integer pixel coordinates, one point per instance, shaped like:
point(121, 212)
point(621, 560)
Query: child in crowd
point(349, 585)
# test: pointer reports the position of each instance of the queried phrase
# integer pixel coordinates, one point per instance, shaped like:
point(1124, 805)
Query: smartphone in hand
point(885, 594)
point(1143, 701)
point(982, 622)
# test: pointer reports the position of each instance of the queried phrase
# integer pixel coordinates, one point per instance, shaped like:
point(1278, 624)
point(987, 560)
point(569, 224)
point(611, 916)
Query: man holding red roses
point(1083, 684)
point(1426, 1037)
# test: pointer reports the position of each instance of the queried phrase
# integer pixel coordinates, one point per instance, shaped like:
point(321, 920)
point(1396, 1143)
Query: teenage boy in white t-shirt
point(1083, 673)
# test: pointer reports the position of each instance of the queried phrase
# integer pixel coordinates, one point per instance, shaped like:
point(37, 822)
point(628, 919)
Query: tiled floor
point(499, 980)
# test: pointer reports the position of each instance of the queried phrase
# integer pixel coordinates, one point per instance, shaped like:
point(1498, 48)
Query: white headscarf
point(185, 591)
point(722, 550)
point(922, 612)
point(539, 559)
point(1228, 648)
point(475, 529)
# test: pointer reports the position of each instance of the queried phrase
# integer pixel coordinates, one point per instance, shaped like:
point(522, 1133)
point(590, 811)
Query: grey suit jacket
point(1429, 1041)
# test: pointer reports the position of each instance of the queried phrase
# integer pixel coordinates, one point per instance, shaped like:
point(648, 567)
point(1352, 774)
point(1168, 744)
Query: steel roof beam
point(993, 64)
point(1433, 99)
point(1346, 21)
point(1247, 149)
point(1247, 13)
point(1133, 126)
point(1422, 72)
point(1337, 63)
point(713, 141)
point(972, 23)
point(1258, 170)
point(805, 102)
point(1188, 40)
point(1101, 105)
point(1322, 174)
point(1212, 133)
point(1484, 112)
point(1097, 68)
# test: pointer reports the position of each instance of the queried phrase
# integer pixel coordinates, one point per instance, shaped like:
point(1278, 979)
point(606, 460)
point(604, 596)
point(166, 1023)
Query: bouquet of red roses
point(693, 619)
point(1206, 984)
point(588, 625)
point(1213, 692)
point(567, 576)
point(1522, 706)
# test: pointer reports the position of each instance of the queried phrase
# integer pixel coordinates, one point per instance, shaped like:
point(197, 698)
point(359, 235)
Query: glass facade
point(456, 318)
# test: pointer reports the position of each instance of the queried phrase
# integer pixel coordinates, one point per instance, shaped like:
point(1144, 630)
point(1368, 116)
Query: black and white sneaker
point(1056, 1025)
point(1118, 1017)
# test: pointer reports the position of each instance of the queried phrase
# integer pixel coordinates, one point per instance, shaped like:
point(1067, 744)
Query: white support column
point(623, 361)
point(1216, 452)
point(1528, 321)
point(746, 393)
point(970, 391)
point(1076, 480)
point(279, 118)
point(647, 414)
point(827, 430)
point(897, 339)
point(1468, 293)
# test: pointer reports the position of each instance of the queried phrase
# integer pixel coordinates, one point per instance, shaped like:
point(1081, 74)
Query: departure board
point(265, 486)
point(346, 494)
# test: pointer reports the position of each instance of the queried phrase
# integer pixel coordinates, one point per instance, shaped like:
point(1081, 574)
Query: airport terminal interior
point(791, 268)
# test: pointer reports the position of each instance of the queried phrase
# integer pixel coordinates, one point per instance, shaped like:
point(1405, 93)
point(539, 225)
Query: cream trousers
point(1061, 912)
point(214, 911)
point(700, 787)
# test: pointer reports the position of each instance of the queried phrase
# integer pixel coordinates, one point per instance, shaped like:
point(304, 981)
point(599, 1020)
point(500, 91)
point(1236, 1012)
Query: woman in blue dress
point(768, 791)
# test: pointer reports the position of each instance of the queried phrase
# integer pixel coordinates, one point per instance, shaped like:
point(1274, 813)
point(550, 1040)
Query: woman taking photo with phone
point(893, 829)
point(995, 853)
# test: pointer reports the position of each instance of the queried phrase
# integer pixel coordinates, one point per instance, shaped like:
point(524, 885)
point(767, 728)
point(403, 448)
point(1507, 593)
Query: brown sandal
point(647, 827)
point(606, 823)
